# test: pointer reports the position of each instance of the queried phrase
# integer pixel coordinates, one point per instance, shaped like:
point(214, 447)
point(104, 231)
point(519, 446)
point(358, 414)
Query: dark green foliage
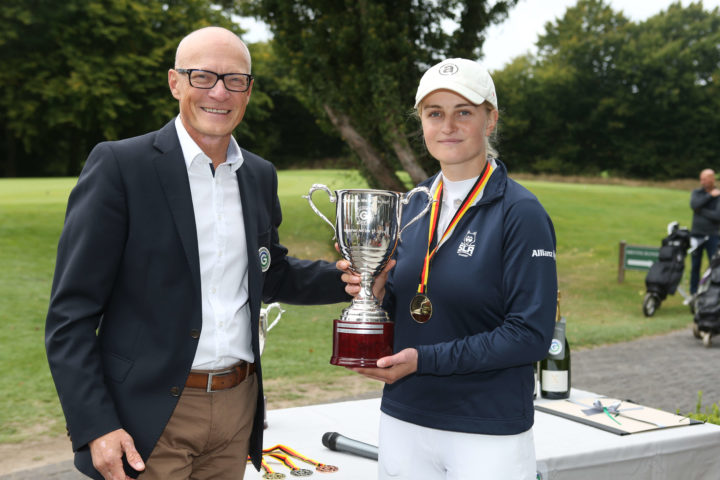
point(78, 72)
point(609, 95)
point(362, 59)
point(604, 96)
point(286, 133)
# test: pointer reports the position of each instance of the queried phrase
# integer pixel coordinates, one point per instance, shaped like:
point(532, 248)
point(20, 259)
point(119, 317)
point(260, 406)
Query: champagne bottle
point(555, 367)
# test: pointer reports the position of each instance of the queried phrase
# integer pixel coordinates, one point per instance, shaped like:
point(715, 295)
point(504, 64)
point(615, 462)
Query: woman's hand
point(393, 368)
point(352, 279)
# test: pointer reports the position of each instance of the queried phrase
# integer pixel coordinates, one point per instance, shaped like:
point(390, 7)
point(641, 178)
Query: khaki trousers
point(207, 437)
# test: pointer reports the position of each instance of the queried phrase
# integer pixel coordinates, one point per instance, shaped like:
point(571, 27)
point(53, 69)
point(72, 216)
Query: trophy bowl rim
point(369, 190)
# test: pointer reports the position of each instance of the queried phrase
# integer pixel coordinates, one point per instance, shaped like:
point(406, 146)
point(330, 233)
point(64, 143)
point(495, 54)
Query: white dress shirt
point(226, 335)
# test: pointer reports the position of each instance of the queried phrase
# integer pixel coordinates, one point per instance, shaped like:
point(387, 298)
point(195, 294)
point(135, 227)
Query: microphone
point(335, 441)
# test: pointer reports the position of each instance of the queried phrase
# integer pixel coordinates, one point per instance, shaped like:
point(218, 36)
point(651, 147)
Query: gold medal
point(420, 308)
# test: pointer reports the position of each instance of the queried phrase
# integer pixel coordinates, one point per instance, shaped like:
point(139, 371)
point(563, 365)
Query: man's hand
point(107, 452)
point(352, 279)
point(392, 368)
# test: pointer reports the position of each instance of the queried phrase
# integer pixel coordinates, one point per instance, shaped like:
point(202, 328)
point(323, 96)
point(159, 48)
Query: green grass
point(31, 216)
point(590, 220)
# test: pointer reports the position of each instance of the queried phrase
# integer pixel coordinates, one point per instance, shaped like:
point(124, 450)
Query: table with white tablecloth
point(564, 449)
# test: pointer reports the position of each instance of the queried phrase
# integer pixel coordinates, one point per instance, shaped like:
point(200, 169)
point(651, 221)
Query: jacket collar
point(172, 174)
point(495, 187)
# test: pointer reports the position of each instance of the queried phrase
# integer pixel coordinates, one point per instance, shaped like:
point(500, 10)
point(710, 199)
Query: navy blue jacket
point(493, 287)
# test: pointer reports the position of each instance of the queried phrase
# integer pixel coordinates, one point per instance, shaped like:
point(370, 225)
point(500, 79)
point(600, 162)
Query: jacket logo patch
point(264, 255)
point(467, 246)
point(543, 253)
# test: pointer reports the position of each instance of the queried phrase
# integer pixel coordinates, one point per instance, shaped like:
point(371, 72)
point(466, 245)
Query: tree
point(671, 72)
point(584, 45)
point(289, 134)
point(605, 94)
point(558, 121)
point(358, 63)
point(80, 71)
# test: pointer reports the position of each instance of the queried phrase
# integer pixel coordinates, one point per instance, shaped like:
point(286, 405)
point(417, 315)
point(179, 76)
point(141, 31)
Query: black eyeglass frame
point(218, 76)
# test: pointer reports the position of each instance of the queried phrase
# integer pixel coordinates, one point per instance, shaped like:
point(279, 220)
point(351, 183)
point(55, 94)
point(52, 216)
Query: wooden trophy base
point(361, 344)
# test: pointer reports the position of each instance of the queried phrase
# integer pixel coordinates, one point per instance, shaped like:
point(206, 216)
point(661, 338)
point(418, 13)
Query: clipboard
point(621, 417)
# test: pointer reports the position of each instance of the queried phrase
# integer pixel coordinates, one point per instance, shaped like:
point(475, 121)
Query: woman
point(473, 296)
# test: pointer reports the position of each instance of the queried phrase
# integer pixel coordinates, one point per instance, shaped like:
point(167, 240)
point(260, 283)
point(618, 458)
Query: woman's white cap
point(462, 76)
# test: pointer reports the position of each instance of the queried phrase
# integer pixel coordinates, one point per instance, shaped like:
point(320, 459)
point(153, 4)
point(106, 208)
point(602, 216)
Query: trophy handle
point(263, 327)
point(320, 186)
point(406, 200)
point(270, 307)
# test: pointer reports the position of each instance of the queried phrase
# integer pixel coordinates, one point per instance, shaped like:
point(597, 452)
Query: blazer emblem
point(264, 255)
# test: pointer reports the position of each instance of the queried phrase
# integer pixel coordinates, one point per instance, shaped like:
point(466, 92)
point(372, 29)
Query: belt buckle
point(208, 387)
point(212, 375)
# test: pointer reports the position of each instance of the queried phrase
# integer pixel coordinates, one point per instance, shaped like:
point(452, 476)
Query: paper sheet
point(613, 415)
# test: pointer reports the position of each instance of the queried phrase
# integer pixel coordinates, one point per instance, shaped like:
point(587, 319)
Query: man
point(705, 223)
point(169, 245)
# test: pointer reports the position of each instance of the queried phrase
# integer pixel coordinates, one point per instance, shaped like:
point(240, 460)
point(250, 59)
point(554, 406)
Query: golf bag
point(664, 276)
point(707, 304)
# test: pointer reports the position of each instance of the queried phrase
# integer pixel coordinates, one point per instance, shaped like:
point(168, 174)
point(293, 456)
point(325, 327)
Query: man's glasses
point(205, 79)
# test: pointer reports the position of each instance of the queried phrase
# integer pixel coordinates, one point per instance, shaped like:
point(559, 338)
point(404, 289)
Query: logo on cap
point(448, 69)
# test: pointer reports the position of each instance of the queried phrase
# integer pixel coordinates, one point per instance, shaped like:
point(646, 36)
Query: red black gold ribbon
point(283, 452)
point(435, 215)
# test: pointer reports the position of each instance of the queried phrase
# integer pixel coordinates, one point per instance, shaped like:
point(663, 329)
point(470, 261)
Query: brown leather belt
point(222, 379)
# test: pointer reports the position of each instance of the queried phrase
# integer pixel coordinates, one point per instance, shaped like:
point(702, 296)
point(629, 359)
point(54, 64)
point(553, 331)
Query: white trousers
point(411, 452)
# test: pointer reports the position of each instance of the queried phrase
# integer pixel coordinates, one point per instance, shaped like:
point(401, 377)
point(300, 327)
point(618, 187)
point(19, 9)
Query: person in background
point(473, 297)
point(169, 245)
point(705, 223)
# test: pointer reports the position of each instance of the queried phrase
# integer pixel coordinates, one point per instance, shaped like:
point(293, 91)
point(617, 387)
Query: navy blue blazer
point(125, 308)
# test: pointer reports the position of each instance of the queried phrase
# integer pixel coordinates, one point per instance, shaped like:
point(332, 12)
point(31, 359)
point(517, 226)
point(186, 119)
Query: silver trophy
point(367, 230)
point(264, 327)
point(263, 330)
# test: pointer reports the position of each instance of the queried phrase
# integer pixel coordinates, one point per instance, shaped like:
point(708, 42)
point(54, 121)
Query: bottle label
point(558, 342)
point(556, 347)
point(554, 381)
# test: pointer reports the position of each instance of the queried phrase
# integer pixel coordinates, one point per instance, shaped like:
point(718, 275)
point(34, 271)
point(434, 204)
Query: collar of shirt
point(192, 151)
point(433, 187)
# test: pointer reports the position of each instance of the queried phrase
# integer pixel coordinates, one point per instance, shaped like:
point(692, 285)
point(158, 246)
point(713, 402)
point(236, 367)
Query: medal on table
point(421, 308)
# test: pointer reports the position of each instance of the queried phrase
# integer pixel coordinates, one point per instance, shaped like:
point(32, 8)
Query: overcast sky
point(517, 35)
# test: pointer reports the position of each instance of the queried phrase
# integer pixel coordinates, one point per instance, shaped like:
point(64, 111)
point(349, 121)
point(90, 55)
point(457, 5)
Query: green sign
point(638, 257)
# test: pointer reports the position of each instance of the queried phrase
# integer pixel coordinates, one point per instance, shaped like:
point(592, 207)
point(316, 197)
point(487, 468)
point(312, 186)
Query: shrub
point(710, 415)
